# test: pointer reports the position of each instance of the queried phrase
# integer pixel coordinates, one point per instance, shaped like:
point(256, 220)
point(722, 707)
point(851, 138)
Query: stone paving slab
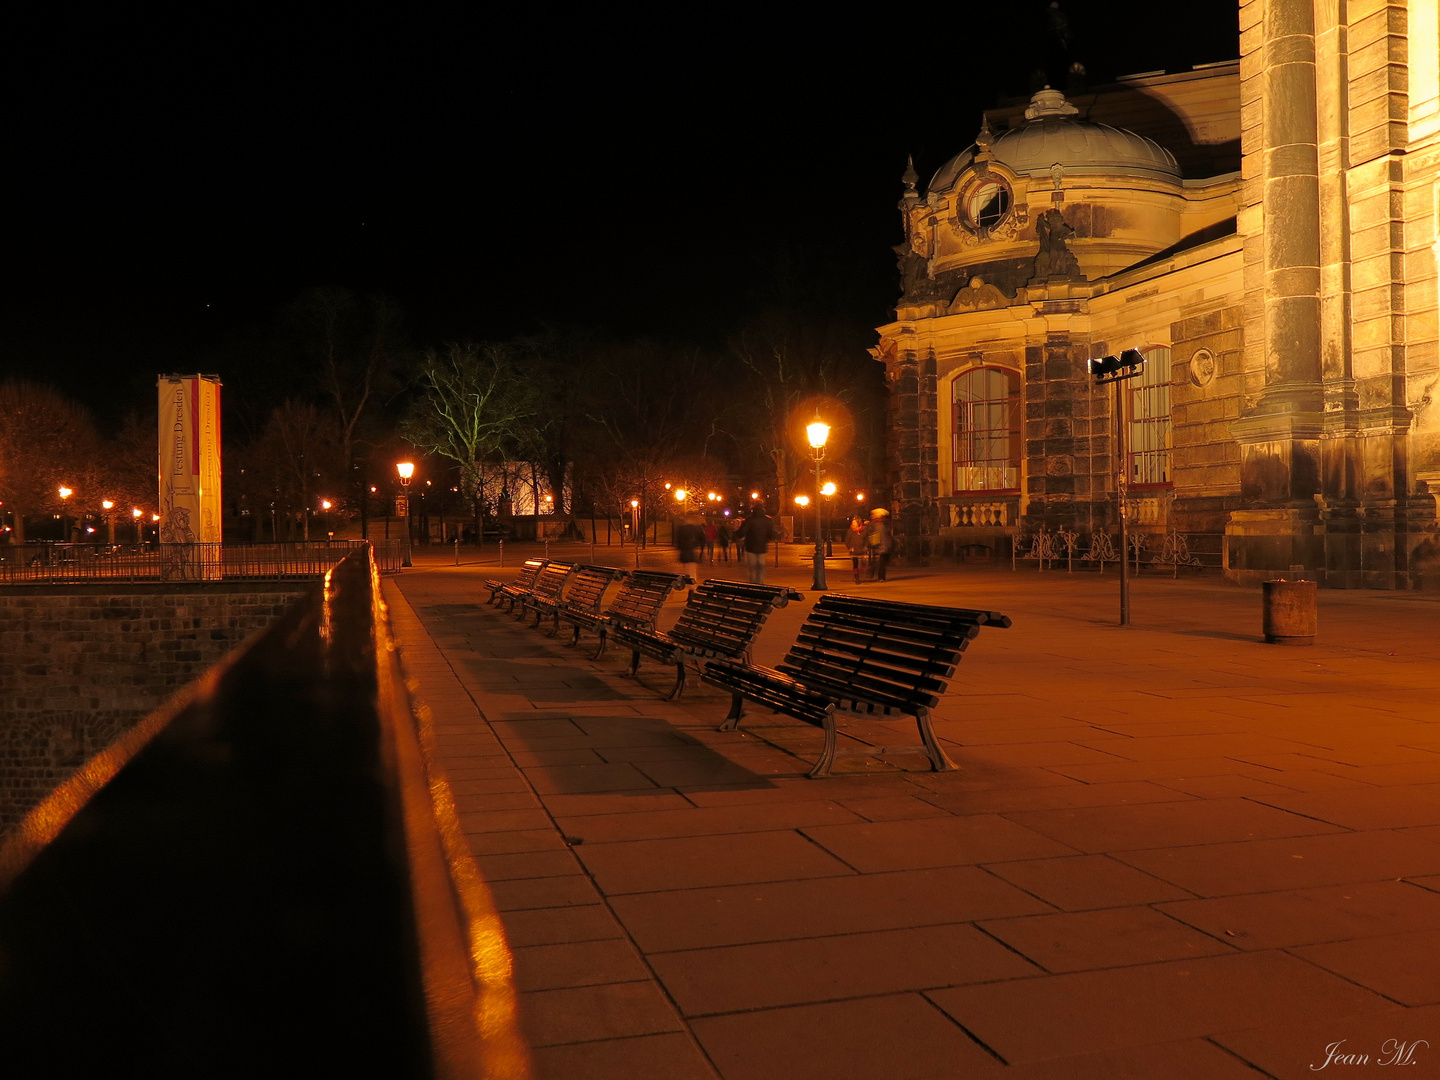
point(1170, 850)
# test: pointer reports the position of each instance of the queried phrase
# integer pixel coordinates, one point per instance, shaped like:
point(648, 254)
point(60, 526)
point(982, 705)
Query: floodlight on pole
point(1116, 369)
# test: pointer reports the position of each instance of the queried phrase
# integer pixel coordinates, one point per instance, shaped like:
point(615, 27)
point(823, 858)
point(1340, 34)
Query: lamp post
point(136, 514)
point(818, 432)
point(65, 493)
point(828, 490)
point(107, 505)
point(635, 529)
point(406, 469)
point(1116, 369)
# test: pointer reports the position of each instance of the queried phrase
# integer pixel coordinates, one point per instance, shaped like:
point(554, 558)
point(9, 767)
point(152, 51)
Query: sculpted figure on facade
point(1055, 259)
point(978, 296)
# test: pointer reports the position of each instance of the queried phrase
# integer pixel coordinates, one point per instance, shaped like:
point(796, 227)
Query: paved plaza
point(1170, 849)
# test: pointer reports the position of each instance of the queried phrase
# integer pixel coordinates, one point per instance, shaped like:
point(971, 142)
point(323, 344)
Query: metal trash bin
point(1289, 612)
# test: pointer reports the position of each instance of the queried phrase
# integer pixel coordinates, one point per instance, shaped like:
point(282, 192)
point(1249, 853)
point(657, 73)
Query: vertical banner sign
point(190, 476)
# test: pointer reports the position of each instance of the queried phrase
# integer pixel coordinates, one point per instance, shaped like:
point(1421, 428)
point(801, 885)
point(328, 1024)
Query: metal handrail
point(48, 563)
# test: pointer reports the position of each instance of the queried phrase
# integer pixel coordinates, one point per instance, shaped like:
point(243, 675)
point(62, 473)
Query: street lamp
point(406, 469)
point(635, 529)
point(136, 514)
point(65, 493)
point(818, 432)
point(1116, 369)
point(107, 505)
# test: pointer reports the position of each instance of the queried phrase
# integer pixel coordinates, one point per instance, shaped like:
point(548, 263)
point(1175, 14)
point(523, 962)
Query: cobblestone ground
point(1170, 850)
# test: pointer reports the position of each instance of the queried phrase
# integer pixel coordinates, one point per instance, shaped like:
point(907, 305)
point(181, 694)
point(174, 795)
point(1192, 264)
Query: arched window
point(1150, 420)
point(987, 430)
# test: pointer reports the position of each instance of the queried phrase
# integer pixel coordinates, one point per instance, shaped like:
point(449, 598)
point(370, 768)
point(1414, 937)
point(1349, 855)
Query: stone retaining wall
point(80, 664)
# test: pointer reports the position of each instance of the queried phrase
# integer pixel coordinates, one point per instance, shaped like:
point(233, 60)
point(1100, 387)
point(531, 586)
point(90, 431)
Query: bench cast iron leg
point(634, 667)
point(939, 760)
point(679, 687)
point(737, 710)
point(574, 638)
point(554, 626)
point(827, 756)
point(600, 650)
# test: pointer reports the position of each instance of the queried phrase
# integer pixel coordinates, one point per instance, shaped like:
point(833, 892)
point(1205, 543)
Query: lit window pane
point(986, 438)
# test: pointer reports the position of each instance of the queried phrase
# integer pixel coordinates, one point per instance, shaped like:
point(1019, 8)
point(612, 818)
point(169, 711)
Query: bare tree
point(474, 405)
point(788, 358)
point(356, 343)
point(294, 462)
point(46, 441)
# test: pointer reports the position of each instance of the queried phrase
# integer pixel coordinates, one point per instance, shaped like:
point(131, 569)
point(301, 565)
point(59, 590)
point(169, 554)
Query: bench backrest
point(643, 595)
point(528, 573)
point(551, 580)
point(723, 617)
point(896, 655)
point(588, 585)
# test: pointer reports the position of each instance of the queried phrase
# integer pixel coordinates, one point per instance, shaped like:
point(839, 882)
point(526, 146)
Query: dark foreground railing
point(44, 563)
point(262, 878)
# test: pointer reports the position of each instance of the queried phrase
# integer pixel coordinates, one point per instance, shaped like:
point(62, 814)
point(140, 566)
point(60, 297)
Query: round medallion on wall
point(1202, 367)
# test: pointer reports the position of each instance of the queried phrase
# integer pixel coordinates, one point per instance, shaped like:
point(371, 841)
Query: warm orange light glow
point(406, 469)
point(680, 494)
point(754, 495)
point(828, 489)
point(634, 503)
point(817, 433)
point(802, 500)
point(137, 512)
point(859, 496)
point(107, 504)
point(324, 504)
point(65, 493)
point(154, 517)
point(667, 487)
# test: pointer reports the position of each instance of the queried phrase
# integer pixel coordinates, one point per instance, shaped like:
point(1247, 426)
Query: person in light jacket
point(880, 540)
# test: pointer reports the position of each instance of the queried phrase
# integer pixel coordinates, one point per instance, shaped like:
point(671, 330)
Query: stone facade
point(1268, 232)
point(81, 664)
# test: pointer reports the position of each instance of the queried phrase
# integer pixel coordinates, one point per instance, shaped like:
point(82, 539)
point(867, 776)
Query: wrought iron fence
point(1175, 551)
point(69, 563)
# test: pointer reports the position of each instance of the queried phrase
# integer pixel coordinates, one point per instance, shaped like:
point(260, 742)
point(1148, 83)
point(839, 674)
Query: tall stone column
point(1280, 434)
point(1340, 446)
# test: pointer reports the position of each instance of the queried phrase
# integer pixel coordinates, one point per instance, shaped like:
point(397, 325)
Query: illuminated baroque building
point(1265, 232)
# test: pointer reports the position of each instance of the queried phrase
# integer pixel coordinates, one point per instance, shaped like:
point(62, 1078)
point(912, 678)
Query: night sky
point(668, 172)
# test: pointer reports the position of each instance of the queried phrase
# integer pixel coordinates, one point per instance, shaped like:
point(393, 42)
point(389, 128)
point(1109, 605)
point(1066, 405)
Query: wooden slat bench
point(583, 595)
point(869, 656)
point(637, 604)
point(513, 590)
point(548, 586)
point(720, 619)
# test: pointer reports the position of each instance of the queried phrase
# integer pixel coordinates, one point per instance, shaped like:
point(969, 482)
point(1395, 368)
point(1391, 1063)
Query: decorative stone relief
point(1202, 367)
point(977, 296)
